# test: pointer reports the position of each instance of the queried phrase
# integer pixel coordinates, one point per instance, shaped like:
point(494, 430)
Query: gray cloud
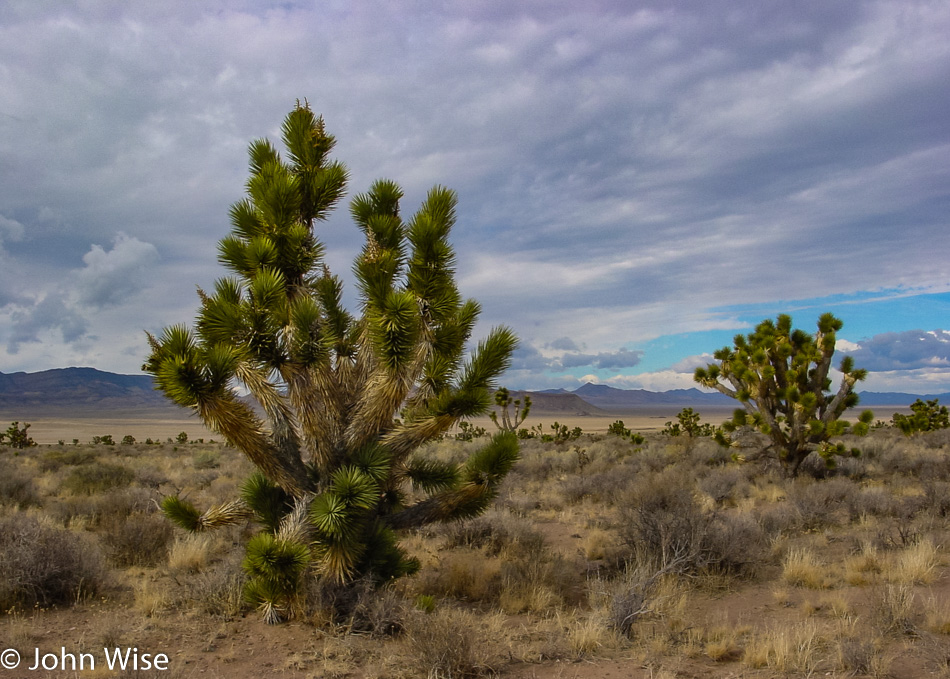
point(564, 344)
point(51, 313)
point(111, 278)
point(909, 350)
point(622, 358)
point(623, 171)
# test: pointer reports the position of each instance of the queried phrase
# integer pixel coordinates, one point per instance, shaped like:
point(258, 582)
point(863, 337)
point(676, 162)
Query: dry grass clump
point(190, 554)
point(451, 644)
point(893, 609)
point(937, 615)
point(790, 649)
point(802, 568)
point(914, 565)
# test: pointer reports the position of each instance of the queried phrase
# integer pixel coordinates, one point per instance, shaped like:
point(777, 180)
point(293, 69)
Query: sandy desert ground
point(844, 576)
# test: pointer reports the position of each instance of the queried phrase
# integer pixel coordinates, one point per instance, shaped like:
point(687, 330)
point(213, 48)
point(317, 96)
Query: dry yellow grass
point(802, 568)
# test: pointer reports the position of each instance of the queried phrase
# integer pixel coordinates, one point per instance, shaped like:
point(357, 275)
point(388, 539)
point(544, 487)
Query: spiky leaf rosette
point(274, 568)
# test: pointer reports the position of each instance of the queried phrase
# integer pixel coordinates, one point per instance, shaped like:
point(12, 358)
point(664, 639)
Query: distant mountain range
point(88, 389)
point(79, 389)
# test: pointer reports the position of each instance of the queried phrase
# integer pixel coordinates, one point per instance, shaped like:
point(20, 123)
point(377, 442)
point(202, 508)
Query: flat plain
point(600, 558)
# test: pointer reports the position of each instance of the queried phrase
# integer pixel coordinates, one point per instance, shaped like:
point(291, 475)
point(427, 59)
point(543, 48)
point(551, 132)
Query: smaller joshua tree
point(781, 377)
point(504, 400)
point(929, 416)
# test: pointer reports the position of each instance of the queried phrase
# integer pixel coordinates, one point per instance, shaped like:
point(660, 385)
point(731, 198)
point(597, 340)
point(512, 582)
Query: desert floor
point(841, 576)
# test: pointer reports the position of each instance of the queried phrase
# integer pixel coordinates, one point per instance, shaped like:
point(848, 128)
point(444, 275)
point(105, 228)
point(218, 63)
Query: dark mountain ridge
point(89, 388)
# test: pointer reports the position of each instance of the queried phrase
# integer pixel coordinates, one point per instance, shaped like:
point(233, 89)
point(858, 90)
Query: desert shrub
point(44, 565)
point(857, 655)
point(17, 489)
point(539, 579)
point(873, 501)
point(361, 607)
point(735, 544)
point(112, 506)
point(937, 497)
point(94, 478)
point(448, 643)
point(140, 540)
point(663, 524)
point(775, 519)
point(664, 527)
point(630, 598)
point(206, 459)
point(495, 531)
point(725, 485)
point(821, 503)
point(601, 487)
point(55, 459)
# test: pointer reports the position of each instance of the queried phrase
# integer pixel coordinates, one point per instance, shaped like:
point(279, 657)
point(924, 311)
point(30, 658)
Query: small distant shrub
point(181, 438)
point(105, 440)
point(469, 432)
point(128, 440)
point(618, 429)
point(688, 424)
point(45, 566)
point(97, 477)
point(206, 459)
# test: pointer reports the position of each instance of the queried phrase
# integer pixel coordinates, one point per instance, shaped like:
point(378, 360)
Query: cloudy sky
point(638, 181)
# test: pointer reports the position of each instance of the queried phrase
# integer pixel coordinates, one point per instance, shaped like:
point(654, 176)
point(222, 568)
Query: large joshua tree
point(343, 402)
point(781, 376)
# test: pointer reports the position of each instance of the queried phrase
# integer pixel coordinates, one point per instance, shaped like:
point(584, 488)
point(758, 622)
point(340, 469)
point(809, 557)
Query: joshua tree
point(781, 377)
point(337, 474)
point(17, 436)
point(929, 416)
point(508, 422)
